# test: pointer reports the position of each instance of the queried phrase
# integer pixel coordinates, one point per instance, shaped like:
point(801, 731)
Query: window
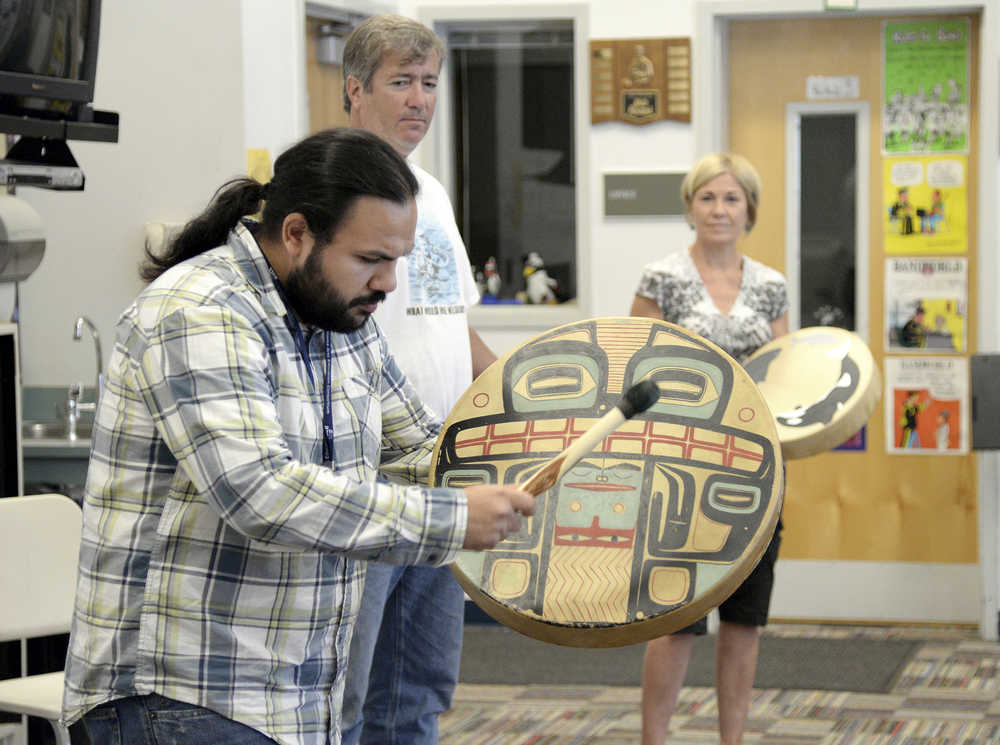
point(514, 165)
point(827, 248)
point(509, 113)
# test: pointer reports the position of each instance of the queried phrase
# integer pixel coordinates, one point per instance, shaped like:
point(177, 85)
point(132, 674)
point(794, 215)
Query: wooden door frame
point(711, 120)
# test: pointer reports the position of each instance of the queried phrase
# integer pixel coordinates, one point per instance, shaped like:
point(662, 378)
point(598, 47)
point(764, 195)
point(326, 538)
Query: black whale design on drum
point(824, 409)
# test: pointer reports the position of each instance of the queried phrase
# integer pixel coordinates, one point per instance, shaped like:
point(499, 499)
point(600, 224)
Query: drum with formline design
point(664, 518)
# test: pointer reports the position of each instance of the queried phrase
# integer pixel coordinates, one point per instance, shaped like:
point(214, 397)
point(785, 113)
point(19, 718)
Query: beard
point(318, 303)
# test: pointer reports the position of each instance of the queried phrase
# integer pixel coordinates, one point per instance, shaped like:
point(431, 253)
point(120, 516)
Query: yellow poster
point(259, 164)
point(924, 199)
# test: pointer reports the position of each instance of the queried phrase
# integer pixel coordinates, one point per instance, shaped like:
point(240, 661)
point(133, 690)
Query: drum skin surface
point(821, 384)
point(652, 529)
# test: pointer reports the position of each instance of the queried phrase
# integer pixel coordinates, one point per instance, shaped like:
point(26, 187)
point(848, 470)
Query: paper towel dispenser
point(22, 239)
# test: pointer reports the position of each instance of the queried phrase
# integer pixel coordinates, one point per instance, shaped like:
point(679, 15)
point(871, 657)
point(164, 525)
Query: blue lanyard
point(303, 346)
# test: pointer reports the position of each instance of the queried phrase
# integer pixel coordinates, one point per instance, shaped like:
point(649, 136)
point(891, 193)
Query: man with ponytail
point(255, 445)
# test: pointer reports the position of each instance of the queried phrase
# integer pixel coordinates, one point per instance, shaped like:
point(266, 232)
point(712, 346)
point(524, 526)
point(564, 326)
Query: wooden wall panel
point(849, 505)
point(324, 84)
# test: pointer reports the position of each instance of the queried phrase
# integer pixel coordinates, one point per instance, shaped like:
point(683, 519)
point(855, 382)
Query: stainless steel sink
point(53, 430)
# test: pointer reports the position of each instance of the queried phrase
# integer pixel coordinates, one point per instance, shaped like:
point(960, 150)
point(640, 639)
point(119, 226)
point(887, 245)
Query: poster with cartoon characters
point(925, 107)
point(924, 205)
point(926, 304)
point(927, 405)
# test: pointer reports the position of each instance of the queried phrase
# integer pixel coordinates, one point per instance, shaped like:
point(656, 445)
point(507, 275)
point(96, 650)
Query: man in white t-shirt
point(404, 658)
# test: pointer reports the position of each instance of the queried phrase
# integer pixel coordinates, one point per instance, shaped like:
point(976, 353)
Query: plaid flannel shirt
point(220, 557)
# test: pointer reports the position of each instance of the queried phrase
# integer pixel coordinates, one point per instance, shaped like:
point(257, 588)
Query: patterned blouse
point(676, 286)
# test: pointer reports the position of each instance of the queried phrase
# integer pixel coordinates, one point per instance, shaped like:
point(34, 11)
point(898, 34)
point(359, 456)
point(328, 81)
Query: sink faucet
point(77, 335)
point(73, 404)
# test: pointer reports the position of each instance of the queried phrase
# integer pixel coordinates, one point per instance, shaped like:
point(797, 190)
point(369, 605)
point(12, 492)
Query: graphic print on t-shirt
point(431, 273)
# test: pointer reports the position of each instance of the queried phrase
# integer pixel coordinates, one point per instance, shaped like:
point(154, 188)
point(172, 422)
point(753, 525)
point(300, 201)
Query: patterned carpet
point(948, 694)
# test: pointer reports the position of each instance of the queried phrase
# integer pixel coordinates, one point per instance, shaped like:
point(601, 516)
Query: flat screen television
point(48, 56)
point(48, 62)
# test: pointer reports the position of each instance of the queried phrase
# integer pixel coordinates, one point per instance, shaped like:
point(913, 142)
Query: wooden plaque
point(653, 529)
point(640, 81)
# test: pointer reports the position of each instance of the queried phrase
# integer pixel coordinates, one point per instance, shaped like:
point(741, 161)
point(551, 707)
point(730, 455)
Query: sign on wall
point(820, 87)
point(643, 194)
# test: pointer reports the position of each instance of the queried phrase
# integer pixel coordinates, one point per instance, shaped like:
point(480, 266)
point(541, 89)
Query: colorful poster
point(924, 201)
point(857, 442)
point(925, 107)
point(927, 405)
point(926, 302)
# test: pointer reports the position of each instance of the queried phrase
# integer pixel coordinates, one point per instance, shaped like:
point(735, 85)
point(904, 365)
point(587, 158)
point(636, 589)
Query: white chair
point(39, 548)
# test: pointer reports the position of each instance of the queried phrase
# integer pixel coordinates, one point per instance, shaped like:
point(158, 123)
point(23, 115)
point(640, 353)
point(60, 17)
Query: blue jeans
point(155, 720)
point(404, 658)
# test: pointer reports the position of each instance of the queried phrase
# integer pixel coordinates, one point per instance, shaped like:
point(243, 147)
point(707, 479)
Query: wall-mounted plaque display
point(640, 80)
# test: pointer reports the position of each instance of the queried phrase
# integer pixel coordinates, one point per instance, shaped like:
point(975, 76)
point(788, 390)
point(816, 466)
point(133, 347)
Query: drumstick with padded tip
point(637, 399)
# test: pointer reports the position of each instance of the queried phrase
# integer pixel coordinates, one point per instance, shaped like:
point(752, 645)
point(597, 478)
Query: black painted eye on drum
point(734, 498)
point(695, 383)
point(686, 386)
point(558, 380)
point(686, 391)
point(554, 387)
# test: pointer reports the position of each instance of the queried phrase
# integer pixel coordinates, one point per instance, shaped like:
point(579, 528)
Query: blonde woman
point(715, 290)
